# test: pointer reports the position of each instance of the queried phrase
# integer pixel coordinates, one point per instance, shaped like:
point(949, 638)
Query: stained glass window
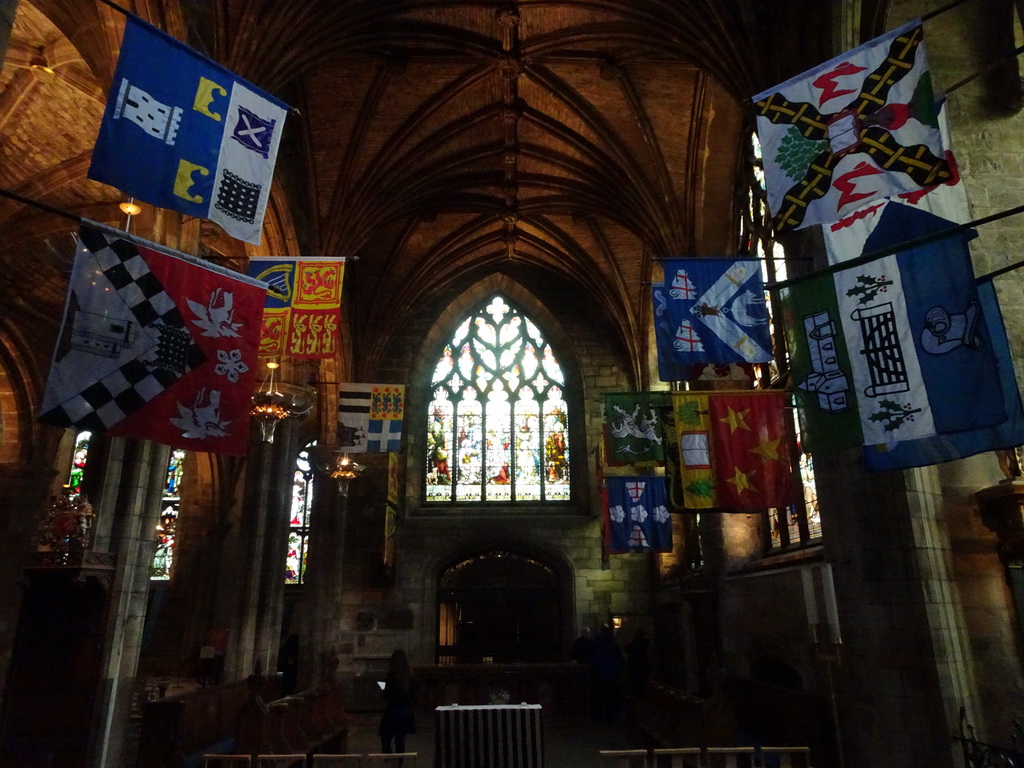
point(298, 519)
point(801, 522)
point(166, 529)
point(497, 429)
point(78, 458)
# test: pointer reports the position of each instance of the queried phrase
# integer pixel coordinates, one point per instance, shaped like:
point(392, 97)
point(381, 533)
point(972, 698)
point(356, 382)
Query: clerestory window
point(497, 427)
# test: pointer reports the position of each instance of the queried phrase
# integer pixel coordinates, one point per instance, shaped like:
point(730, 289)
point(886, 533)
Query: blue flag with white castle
point(897, 349)
point(896, 221)
point(716, 312)
point(181, 132)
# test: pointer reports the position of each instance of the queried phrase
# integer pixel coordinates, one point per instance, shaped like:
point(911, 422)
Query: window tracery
point(497, 424)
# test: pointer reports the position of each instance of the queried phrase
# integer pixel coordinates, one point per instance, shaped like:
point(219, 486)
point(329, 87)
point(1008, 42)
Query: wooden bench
point(310, 723)
point(737, 712)
point(668, 717)
point(178, 730)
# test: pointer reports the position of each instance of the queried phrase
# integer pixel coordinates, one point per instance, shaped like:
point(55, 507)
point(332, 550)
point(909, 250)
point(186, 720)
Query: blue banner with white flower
point(638, 517)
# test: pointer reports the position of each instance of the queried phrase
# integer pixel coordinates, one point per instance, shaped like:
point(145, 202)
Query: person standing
point(583, 648)
point(398, 719)
point(607, 668)
point(638, 663)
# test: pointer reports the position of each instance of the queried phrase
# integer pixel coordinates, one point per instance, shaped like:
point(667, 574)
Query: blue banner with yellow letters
point(181, 132)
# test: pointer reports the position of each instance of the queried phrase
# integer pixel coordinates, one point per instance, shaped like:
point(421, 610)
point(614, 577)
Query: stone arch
point(501, 601)
point(418, 382)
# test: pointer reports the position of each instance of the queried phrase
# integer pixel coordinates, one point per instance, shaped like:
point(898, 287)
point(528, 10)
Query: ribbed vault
point(576, 139)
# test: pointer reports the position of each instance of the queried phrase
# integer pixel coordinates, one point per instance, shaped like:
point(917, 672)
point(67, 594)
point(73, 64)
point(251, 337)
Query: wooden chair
point(730, 757)
point(623, 758)
point(393, 760)
point(227, 761)
point(786, 757)
point(677, 757)
point(337, 761)
point(281, 761)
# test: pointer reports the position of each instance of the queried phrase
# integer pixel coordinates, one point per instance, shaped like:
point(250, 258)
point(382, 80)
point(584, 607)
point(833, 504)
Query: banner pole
point(889, 250)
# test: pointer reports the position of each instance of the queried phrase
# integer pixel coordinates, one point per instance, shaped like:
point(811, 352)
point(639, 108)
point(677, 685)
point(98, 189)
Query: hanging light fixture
point(277, 400)
point(130, 207)
point(344, 472)
point(335, 463)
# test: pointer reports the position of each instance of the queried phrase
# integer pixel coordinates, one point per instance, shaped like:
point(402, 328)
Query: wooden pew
point(310, 723)
point(178, 730)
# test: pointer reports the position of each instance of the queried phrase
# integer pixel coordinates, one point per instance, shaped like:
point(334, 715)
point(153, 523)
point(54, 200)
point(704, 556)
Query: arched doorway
point(498, 607)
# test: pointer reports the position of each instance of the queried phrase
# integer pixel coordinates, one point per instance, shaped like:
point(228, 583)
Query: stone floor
point(565, 746)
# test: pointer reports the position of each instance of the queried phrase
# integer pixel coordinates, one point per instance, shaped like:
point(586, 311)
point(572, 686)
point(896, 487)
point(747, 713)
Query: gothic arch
point(501, 601)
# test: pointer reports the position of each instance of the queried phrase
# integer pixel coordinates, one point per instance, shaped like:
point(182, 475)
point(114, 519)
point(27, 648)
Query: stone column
point(268, 625)
point(323, 581)
point(134, 510)
point(262, 537)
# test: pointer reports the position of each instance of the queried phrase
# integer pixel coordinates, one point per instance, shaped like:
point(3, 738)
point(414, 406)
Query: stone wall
point(377, 619)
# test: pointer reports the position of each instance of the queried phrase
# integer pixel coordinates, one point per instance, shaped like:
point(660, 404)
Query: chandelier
point(336, 464)
point(277, 400)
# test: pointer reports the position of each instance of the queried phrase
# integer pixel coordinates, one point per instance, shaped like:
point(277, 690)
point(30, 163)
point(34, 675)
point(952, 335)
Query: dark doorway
point(498, 607)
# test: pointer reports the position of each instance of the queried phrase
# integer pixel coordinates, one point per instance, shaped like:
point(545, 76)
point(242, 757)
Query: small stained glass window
point(497, 427)
point(78, 459)
point(167, 528)
point(298, 517)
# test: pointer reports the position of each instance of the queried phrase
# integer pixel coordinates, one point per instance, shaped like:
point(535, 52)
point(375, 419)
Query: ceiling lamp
point(277, 400)
point(130, 208)
point(340, 467)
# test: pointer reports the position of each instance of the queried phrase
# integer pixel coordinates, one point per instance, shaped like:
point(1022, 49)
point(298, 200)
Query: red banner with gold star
point(751, 450)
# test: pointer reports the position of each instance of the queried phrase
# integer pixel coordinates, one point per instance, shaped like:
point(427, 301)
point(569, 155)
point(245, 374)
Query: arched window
point(298, 521)
point(497, 427)
point(800, 523)
point(166, 529)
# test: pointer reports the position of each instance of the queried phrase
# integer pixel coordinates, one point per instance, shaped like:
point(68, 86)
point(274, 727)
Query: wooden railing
point(737, 712)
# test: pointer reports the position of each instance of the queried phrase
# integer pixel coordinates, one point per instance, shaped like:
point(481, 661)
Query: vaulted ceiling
point(573, 141)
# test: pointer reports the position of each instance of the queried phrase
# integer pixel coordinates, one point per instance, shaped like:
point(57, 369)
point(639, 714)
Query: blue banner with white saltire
point(181, 132)
point(638, 516)
point(716, 312)
point(669, 367)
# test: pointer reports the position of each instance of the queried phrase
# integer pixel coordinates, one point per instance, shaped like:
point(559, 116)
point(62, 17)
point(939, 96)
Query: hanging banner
point(181, 132)
point(155, 345)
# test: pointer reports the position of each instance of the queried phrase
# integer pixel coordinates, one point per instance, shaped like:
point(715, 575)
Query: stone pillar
point(134, 511)
point(268, 625)
point(262, 538)
point(323, 606)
